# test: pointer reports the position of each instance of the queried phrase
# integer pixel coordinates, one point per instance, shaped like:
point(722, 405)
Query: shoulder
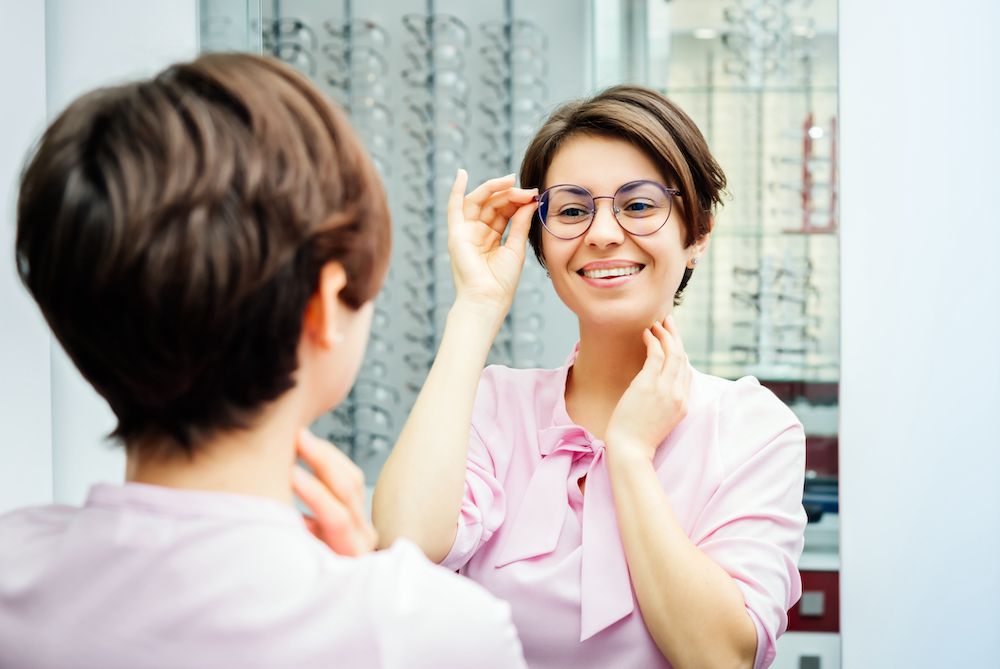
point(504, 391)
point(418, 599)
point(749, 417)
point(743, 401)
point(30, 539)
point(503, 379)
point(23, 527)
point(410, 583)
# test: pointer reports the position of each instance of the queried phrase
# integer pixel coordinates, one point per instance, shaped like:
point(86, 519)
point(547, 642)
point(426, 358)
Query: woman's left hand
point(656, 400)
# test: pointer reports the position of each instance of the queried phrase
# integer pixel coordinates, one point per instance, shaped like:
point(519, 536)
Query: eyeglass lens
point(641, 208)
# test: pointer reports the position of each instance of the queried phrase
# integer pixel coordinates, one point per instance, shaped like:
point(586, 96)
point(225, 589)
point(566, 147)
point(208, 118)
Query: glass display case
point(759, 77)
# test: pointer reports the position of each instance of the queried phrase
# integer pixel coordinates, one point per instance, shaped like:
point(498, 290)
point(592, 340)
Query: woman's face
point(602, 165)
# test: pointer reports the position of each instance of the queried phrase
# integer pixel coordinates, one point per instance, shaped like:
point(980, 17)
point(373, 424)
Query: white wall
point(91, 44)
point(920, 397)
point(25, 417)
point(53, 423)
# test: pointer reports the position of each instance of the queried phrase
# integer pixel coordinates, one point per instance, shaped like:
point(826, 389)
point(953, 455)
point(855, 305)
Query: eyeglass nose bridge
point(595, 198)
point(614, 212)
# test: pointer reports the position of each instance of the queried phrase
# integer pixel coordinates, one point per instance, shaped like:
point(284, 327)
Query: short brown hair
point(173, 230)
point(653, 124)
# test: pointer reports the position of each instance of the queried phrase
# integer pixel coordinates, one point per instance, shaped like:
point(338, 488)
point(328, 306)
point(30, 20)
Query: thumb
point(456, 197)
point(520, 225)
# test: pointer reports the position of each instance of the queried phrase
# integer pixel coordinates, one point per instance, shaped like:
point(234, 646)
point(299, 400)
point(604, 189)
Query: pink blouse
point(144, 577)
point(733, 470)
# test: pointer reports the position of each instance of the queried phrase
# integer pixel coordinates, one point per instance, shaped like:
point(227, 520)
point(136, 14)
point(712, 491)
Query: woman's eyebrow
point(632, 185)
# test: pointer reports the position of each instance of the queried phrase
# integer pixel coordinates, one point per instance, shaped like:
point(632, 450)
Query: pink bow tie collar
point(605, 587)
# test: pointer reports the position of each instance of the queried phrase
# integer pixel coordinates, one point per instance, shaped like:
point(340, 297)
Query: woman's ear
point(696, 252)
point(321, 319)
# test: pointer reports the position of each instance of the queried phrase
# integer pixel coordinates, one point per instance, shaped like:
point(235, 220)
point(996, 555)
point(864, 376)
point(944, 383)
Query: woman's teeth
point(612, 272)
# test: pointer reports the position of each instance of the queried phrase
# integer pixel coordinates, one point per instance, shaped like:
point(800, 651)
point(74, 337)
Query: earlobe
point(699, 248)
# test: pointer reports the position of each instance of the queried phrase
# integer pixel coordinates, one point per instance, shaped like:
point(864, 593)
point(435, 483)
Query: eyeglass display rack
point(762, 86)
point(766, 301)
point(430, 86)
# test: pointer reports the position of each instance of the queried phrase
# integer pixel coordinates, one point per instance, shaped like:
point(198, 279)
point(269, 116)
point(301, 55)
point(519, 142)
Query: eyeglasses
point(640, 207)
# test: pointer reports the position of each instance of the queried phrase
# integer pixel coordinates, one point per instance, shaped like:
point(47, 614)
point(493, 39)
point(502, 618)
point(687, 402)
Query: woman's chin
point(617, 320)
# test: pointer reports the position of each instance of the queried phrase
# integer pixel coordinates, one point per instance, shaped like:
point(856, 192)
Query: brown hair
point(658, 128)
point(173, 230)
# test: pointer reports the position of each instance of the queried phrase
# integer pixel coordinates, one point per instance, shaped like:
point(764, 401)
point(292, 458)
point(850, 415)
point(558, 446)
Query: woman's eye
point(639, 207)
point(572, 212)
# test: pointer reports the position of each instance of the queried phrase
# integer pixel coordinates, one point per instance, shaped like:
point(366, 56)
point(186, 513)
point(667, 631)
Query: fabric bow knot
point(605, 587)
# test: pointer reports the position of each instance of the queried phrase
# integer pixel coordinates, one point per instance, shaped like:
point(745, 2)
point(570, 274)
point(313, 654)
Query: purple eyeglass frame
point(671, 193)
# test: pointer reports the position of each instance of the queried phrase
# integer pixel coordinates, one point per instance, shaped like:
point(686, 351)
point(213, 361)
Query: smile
point(610, 273)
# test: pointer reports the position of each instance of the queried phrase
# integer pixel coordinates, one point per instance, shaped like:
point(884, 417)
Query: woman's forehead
point(599, 164)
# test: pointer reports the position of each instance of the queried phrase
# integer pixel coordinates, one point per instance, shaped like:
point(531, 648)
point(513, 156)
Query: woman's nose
point(605, 230)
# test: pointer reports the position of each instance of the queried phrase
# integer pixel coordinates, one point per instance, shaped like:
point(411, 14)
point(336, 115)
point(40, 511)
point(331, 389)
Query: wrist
point(477, 315)
point(627, 452)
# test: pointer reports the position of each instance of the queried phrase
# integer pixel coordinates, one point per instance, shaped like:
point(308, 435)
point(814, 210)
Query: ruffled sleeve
point(483, 503)
point(753, 525)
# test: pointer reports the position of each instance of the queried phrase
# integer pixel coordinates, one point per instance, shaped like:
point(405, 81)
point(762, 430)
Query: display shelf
point(826, 373)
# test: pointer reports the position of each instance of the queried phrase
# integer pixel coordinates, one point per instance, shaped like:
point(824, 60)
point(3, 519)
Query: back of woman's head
point(173, 230)
point(653, 124)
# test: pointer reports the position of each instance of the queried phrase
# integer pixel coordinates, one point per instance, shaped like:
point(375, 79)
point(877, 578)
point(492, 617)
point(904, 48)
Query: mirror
point(432, 86)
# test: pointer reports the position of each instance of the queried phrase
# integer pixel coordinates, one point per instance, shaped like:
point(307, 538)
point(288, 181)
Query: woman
point(633, 511)
point(206, 246)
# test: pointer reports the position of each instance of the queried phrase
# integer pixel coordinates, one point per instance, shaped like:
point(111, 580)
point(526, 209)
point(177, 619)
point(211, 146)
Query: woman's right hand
point(486, 272)
point(334, 493)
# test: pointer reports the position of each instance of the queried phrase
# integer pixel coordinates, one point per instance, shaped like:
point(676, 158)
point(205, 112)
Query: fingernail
point(670, 319)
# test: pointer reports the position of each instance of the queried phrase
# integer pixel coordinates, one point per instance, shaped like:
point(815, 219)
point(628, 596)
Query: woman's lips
point(610, 282)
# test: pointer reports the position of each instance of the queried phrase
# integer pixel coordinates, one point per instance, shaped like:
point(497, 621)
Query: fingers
point(503, 204)
point(331, 521)
point(671, 327)
point(336, 471)
point(520, 226)
point(671, 350)
point(654, 354)
point(663, 337)
point(456, 197)
point(675, 377)
point(477, 198)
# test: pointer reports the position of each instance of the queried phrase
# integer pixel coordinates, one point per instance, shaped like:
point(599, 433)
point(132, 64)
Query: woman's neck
point(607, 362)
point(256, 461)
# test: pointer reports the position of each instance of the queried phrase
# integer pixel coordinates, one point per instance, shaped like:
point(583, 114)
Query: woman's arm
point(419, 492)
point(690, 605)
point(692, 608)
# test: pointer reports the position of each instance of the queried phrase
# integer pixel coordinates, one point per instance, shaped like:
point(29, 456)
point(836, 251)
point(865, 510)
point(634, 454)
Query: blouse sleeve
point(483, 504)
point(753, 525)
